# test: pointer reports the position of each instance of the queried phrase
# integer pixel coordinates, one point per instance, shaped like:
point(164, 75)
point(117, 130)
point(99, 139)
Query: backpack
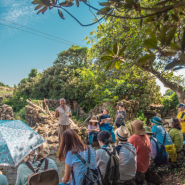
point(162, 156)
point(120, 120)
point(91, 177)
point(112, 173)
point(46, 177)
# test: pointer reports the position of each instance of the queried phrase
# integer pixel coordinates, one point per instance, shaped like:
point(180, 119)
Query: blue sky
point(20, 51)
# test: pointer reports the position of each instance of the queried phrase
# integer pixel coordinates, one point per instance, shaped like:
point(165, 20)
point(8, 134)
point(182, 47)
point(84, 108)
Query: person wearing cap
point(127, 156)
point(3, 179)
point(34, 158)
point(176, 134)
point(163, 137)
point(149, 133)
point(142, 144)
point(93, 129)
point(181, 117)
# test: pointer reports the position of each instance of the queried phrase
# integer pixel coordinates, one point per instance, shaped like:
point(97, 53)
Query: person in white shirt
point(127, 156)
point(64, 113)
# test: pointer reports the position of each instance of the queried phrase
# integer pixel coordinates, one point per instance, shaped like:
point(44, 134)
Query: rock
point(52, 139)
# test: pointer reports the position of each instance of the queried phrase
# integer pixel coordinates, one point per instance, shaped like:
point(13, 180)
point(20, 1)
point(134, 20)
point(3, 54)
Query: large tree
point(154, 30)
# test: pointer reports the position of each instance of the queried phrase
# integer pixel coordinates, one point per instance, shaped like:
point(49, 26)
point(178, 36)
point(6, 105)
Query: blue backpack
point(162, 156)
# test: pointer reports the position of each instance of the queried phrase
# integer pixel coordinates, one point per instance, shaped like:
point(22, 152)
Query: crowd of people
point(121, 159)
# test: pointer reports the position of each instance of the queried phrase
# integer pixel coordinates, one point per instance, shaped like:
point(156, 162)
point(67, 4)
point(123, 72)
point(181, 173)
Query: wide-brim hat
point(156, 120)
point(137, 127)
point(122, 133)
point(40, 153)
point(180, 105)
point(148, 130)
point(93, 119)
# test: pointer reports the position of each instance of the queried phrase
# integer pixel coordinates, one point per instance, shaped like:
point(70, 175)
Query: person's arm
point(66, 177)
point(56, 113)
point(100, 120)
point(124, 114)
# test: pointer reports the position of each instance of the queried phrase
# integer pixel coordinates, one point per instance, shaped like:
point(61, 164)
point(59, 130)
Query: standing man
point(64, 113)
point(181, 117)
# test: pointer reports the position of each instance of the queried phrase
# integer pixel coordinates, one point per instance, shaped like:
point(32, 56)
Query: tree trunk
point(179, 90)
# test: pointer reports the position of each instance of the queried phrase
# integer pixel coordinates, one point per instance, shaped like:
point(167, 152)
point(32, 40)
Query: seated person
point(163, 137)
point(106, 126)
point(93, 129)
point(71, 144)
point(142, 144)
point(127, 156)
point(3, 179)
point(176, 134)
point(41, 153)
point(153, 141)
point(120, 116)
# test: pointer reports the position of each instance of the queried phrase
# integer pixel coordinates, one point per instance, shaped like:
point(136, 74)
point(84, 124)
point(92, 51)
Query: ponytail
point(104, 136)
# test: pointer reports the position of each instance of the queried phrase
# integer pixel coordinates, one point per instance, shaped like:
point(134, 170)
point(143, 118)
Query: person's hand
point(180, 120)
point(70, 115)
point(116, 115)
point(1, 172)
point(56, 110)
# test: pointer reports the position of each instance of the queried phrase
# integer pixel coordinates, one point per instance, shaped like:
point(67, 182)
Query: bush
point(20, 115)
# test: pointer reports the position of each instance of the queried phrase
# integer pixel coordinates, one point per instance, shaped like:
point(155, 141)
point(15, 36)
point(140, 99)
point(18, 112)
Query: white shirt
point(64, 115)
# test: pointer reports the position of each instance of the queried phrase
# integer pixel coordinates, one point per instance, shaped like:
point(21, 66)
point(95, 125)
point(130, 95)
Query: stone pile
point(6, 112)
point(131, 107)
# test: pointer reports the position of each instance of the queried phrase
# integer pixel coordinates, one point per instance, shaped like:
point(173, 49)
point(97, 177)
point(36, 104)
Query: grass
point(3, 93)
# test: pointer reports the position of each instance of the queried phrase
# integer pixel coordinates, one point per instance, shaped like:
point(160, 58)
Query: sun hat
point(148, 130)
point(169, 120)
point(137, 127)
point(156, 120)
point(93, 119)
point(40, 153)
point(181, 105)
point(122, 133)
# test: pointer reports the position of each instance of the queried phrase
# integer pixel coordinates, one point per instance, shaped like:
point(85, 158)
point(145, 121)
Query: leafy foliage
point(2, 84)
point(168, 92)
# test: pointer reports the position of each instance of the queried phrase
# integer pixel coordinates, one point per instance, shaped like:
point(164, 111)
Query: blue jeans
point(111, 132)
point(91, 137)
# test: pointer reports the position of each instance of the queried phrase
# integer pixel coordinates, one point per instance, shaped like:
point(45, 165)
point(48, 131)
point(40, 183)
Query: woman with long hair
point(70, 145)
point(176, 134)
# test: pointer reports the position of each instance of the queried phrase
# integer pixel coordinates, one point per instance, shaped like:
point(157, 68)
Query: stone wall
point(6, 112)
point(131, 107)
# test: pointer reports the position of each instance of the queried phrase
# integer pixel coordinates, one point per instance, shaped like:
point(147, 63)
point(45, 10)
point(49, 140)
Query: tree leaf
point(109, 65)
point(44, 9)
point(121, 51)
point(174, 63)
point(130, 2)
point(183, 40)
point(106, 57)
point(162, 36)
point(152, 42)
point(110, 52)
point(66, 4)
point(106, 4)
point(150, 19)
point(145, 58)
point(166, 18)
point(141, 22)
point(127, 6)
point(77, 3)
point(115, 48)
point(61, 14)
point(39, 6)
point(46, 2)
point(162, 2)
point(103, 11)
point(174, 46)
point(175, 17)
point(170, 35)
point(117, 65)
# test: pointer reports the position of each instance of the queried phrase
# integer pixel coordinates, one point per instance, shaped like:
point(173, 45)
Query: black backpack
point(162, 156)
point(112, 173)
point(91, 177)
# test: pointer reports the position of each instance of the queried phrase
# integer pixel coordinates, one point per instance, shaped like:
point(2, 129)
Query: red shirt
point(143, 148)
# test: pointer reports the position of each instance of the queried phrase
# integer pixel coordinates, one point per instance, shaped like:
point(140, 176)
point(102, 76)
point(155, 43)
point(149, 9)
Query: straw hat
point(137, 127)
point(156, 120)
point(93, 119)
point(122, 133)
point(41, 152)
point(148, 130)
